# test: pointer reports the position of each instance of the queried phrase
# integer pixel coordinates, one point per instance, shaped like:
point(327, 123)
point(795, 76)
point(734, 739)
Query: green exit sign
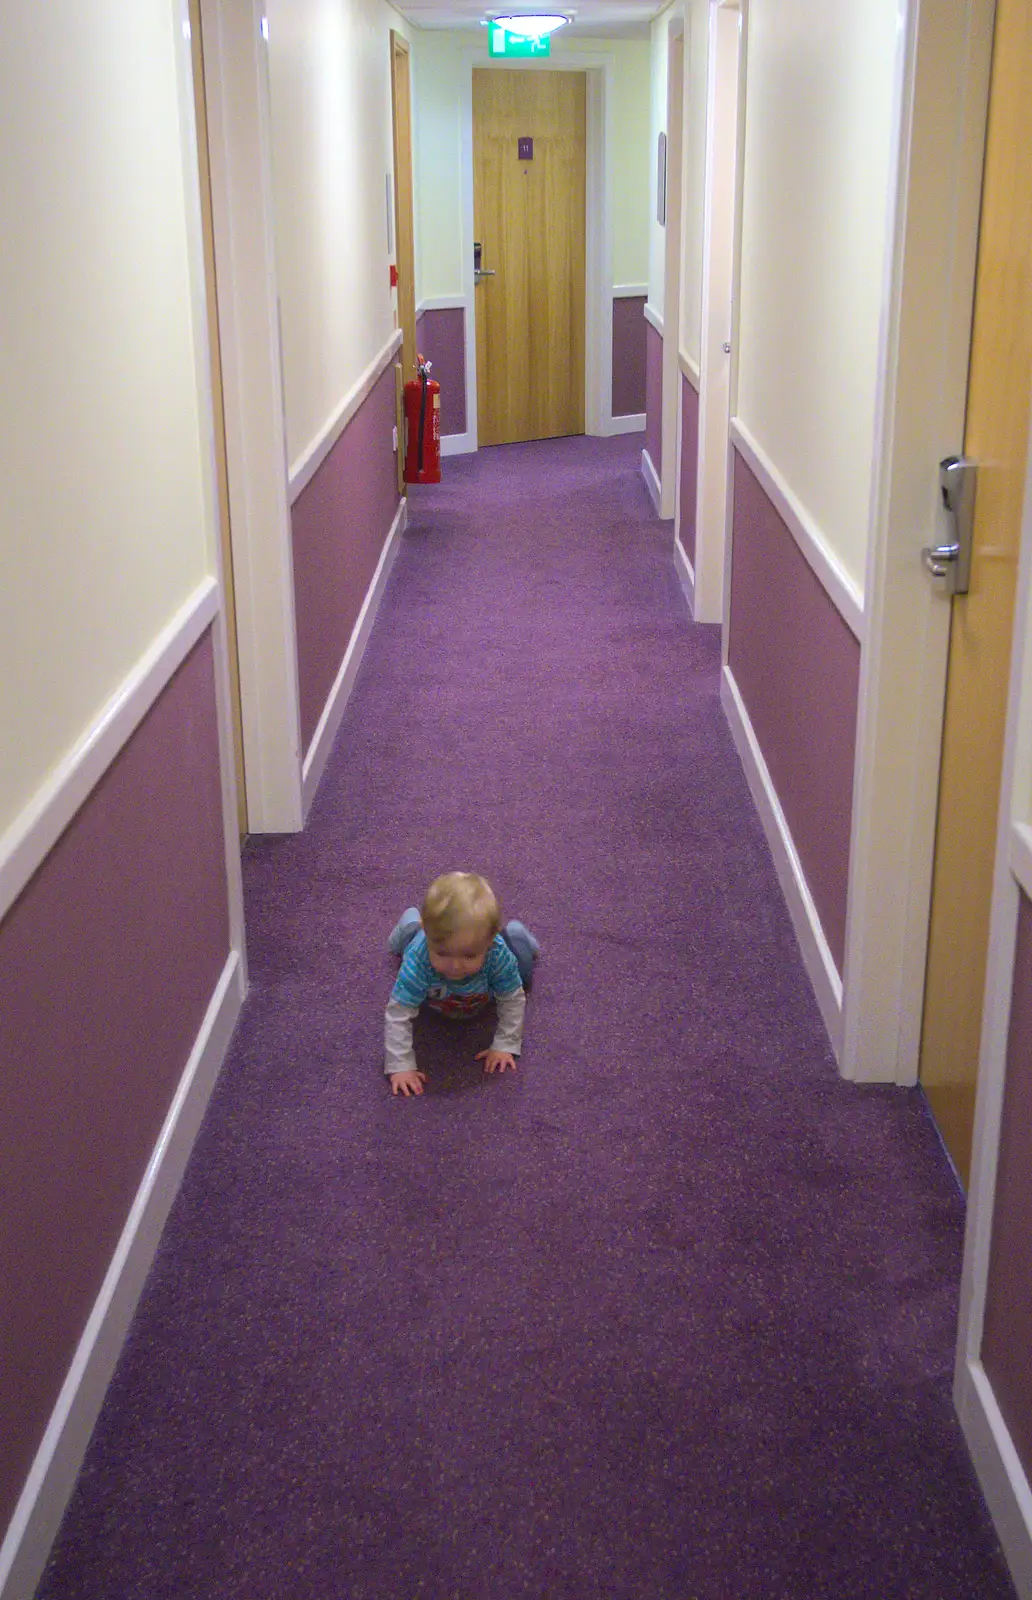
point(502, 43)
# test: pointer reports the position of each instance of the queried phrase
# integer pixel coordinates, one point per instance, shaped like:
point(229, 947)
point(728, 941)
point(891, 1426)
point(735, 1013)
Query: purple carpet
point(667, 1315)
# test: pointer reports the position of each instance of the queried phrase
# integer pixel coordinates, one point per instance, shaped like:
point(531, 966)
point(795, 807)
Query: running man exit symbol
point(526, 149)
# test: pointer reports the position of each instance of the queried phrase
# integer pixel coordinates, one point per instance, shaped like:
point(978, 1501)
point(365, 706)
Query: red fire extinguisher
point(423, 426)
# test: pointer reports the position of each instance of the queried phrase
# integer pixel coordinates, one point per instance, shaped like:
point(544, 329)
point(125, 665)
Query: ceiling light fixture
point(531, 26)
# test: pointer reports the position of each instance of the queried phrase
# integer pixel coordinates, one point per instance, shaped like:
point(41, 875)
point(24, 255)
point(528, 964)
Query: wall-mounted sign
point(525, 149)
point(502, 43)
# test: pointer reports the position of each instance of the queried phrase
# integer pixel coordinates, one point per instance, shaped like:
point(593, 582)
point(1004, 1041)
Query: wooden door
point(996, 437)
point(404, 232)
point(218, 408)
point(528, 216)
point(404, 247)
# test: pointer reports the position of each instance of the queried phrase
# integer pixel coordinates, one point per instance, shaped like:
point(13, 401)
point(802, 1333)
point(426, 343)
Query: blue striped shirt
point(418, 981)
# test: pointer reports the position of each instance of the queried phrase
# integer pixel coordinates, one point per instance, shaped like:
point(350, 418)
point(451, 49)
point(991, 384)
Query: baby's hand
point(407, 1082)
point(497, 1060)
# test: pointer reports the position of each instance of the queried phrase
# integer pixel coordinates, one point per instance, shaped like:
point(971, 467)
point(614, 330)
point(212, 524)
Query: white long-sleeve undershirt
point(398, 1020)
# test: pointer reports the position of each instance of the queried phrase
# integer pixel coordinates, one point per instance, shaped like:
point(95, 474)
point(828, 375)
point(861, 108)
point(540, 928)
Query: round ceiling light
point(531, 26)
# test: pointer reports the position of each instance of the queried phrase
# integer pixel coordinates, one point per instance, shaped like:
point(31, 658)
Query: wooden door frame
point(942, 61)
point(599, 67)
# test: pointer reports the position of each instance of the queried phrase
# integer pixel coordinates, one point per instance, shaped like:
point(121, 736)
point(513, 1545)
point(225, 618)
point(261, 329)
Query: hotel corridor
point(667, 1315)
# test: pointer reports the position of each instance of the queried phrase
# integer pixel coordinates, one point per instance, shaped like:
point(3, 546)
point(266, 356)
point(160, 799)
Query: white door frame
point(1004, 1483)
point(237, 93)
point(687, 363)
point(203, 334)
point(670, 413)
point(942, 99)
point(599, 67)
point(736, 300)
point(712, 377)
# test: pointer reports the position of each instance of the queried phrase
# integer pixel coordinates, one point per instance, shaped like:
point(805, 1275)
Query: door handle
point(480, 271)
point(937, 558)
point(957, 483)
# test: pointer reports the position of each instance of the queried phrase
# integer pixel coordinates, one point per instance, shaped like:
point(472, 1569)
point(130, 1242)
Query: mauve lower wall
point(628, 355)
point(1007, 1333)
point(441, 338)
point(654, 397)
point(689, 465)
point(108, 962)
point(339, 524)
point(797, 667)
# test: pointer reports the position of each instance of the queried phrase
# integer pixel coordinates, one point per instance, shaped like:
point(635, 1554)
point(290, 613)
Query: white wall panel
point(818, 149)
point(102, 512)
point(330, 89)
point(440, 73)
point(629, 160)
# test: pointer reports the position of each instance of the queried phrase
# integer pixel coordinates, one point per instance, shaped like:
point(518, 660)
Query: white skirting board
point(326, 730)
point(819, 962)
point(632, 422)
point(458, 444)
point(1004, 1484)
point(52, 1476)
point(685, 574)
point(652, 483)
point(464, 444)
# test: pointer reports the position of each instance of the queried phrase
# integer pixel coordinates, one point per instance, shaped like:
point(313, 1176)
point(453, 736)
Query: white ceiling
point(593, 19)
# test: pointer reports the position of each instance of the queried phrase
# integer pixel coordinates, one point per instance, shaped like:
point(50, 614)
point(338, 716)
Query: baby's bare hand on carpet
point(497, 1060)
point(407, 1082)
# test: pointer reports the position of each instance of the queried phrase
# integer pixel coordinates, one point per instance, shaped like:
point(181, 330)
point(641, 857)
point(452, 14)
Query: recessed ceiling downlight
point(530, 26)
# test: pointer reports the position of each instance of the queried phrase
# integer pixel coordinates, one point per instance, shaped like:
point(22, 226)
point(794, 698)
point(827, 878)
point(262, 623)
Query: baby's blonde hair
point(459, 900)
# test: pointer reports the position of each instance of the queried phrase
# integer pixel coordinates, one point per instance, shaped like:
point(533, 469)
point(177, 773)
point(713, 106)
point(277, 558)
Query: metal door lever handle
point(936, 555)
point(482, 272)
point(957, 481)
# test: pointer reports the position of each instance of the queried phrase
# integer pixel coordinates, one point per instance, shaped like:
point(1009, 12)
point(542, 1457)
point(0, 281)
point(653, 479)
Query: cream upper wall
point(629, 161)
point(442, 67)
point(330, 94)
point(696, 47)
point(818, 141)
point(103, 523)
point(440, 71)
